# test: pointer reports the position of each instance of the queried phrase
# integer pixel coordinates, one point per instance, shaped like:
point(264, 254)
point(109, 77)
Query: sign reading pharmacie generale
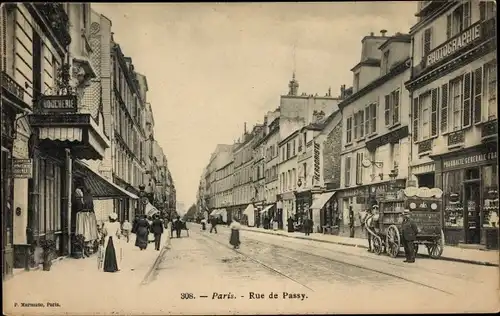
point(454, 44)
point(469, 160)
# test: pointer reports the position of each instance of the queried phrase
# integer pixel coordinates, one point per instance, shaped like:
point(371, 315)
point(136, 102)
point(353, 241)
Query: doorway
point(426, 180)
point(472, 213)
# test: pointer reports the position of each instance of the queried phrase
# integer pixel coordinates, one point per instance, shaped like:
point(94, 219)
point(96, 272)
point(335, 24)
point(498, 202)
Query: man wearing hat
point(369, 214)
point(409, 235)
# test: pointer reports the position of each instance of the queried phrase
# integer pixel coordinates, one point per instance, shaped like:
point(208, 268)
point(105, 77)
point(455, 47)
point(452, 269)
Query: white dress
point(113, 230)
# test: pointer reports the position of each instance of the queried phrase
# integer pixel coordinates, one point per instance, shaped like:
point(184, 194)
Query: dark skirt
point(110, 264)
point(141, 240)
point(235, 238)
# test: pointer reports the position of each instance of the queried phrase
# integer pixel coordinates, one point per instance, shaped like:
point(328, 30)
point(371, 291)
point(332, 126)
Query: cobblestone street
point(330, 278)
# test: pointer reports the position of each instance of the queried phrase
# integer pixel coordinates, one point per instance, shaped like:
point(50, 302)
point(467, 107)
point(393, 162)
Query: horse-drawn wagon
point(424, 204)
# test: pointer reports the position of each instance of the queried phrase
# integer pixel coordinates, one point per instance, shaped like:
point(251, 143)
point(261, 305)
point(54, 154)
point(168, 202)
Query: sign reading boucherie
point(22, 168)
point(456, 43)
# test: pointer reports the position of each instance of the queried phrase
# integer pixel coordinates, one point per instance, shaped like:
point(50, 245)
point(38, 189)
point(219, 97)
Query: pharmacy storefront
point(469, 180)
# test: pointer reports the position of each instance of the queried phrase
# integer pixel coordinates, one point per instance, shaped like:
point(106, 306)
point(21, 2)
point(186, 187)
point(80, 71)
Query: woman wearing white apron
point(112, 248)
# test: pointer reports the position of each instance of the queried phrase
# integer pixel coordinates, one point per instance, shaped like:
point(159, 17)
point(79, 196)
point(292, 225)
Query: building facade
point(375, 146)
point(129, 135)
point(453, 87)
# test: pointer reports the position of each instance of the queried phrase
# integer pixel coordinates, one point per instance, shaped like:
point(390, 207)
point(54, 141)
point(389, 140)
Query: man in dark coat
point(178, 227)
point(290, 224)
point(134, 224)
point(409, 235)
point(213, 222)
point(157, 230)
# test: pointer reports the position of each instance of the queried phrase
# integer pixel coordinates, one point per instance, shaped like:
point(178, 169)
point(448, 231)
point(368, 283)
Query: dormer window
point(356, 82)
point(385, 62)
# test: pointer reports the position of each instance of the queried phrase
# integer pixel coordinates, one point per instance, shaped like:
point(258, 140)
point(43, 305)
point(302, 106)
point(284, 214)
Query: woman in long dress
point(235, 234)
point(112, 249)
point(142, 233)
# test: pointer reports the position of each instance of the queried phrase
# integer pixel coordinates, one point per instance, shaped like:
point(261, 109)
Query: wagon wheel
point(393, 241)
point(377, 245)
point(436, 249)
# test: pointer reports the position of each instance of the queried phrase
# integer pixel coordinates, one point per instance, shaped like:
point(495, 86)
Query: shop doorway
point(472, 212)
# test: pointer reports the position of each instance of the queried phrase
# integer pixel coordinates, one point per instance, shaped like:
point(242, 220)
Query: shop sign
point(455, 44)
point(469, 160)
point(22, 168)
point(354, 192)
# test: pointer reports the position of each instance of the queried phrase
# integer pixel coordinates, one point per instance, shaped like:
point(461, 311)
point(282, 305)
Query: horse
point(369, 222)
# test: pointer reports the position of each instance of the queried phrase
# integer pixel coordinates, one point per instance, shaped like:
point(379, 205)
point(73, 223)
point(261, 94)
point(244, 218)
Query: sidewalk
point(450, 253)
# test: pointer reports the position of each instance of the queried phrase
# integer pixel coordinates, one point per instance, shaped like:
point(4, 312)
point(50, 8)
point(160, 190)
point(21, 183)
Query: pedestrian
point(366, 222)
point(213, 222)
point(234, 240)
point(409, 235)
point(178, 227)
point(203, 224)
point(351, 222)
point(306, 224)
point(142, 233)
point(157, 229)
point(134, 224)
point(126, 229)
point(112, 249)
point(290, 224)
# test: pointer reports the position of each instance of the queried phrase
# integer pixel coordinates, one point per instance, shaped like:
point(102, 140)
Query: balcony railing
point(456, 138)
point(489, 130)
point(11, 86)
point(57, 19)
point(425, 146)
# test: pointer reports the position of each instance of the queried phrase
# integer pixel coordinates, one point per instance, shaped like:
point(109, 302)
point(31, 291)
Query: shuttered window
point(367, 120)
point(395, 107)
point(466, 115)
point(444, 108)
point(490, 85)
point(425, 109)
point(427, 41)
point(359, 168)
point(434, 112)
point(361, 118)
point(477, 84)
point(456, 103)
point(415, 119)
point(347, 174)
point(387, 110)
point(349, 130)
point(356, 123)
point(373, 117)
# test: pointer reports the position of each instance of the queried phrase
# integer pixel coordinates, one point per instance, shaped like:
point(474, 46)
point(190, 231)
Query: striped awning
point(100, 187)
point(62, 133)
point(322, 200)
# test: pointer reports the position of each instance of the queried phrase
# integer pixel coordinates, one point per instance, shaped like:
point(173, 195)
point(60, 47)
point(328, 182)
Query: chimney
point(318, 116)
point(382, 32)
point(245, 128)
point(372, 34)
point(342, 91)
point(265, 119)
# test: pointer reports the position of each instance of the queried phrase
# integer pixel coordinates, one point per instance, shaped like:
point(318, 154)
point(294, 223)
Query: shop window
point(453, 199)
point(490, 196)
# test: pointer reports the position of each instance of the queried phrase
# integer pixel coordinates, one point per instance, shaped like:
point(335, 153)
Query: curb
point(152, 269)
point(476, 262)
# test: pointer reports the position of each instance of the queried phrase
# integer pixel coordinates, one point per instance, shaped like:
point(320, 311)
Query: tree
point(190, 214)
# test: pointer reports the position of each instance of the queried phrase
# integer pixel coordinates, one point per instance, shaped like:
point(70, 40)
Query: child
point(126, 229)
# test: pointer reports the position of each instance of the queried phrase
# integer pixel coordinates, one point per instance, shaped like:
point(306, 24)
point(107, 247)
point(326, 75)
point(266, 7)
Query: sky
point(212, 67)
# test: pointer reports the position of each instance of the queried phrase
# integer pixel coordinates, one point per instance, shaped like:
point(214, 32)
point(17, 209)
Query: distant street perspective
point(249, 158)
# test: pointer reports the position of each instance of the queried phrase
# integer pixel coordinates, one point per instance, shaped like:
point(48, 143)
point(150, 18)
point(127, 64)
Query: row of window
point(243, 156)
point(271, 194)
point(224, 172)
point(126, 168)
point(288, 180)
point(365, 123)
point(125, 127)
point(243, 194)
point(242, 176)
point(128, 94)
point(467, 99)
point(271, 152)
point(294, 146)
point(271, 173)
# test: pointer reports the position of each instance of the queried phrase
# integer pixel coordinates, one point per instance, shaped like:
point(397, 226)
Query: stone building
point(453, 87)
point(375, 145)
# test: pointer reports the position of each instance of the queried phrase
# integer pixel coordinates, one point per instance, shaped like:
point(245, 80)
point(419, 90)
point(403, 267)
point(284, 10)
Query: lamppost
point(143, 199)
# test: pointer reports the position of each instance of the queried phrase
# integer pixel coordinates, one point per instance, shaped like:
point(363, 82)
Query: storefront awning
point(267, 208)
point(214, 212)
point(249, 209)
point(100, 187)
point(321, 201)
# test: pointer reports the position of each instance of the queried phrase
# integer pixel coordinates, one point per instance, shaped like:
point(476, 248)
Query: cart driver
point(372, 215)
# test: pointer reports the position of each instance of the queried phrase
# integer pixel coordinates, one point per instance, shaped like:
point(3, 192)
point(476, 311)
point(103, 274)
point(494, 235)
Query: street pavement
point(450, 253)
point(306, 277)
